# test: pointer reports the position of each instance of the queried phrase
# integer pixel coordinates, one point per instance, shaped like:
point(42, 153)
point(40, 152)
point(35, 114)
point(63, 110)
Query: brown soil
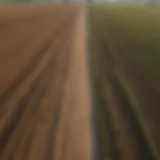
point(44, 88)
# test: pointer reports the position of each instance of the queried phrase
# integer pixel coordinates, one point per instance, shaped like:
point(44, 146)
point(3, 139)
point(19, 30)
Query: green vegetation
point(142, 26)
point(105, 129)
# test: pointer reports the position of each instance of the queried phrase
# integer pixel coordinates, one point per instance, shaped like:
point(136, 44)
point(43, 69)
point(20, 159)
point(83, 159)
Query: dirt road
point(45, 103)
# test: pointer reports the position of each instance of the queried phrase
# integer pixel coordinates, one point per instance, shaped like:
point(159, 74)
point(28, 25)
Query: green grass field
point(142, 25)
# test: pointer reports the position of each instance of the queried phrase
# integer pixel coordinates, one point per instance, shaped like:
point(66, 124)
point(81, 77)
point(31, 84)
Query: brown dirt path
point(45, 103)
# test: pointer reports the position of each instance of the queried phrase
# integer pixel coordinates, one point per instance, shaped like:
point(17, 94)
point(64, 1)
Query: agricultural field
point(125, 46)
point(142, 26)
point(45, 104)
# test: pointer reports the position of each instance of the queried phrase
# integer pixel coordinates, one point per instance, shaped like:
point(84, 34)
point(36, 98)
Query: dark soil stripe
point(22, 104)
point(49, 155)
point(27, 70)
point(106, 142)
point(143, 149)
point(42, 91)
point(56, 120)
point(106, 125)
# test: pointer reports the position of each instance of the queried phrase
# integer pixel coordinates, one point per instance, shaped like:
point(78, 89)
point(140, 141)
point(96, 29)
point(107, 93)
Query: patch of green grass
point(142, 25)
point(134, 22)
point(105, 127)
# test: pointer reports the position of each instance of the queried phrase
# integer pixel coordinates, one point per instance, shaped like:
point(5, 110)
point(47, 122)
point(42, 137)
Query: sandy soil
point(45, 103)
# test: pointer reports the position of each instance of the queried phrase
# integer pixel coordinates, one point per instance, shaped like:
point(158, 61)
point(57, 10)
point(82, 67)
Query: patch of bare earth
point(45, 103)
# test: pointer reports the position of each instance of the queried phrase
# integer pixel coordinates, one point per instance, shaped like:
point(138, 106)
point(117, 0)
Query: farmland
point(44, 93)
point(125, 46)
point(54, 104)
point(142, 26)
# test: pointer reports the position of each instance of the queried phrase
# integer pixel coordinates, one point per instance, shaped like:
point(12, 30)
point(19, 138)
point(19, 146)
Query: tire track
point(20, 110)
point(39, 88)
point(55, 91)
point(50, 77)
point(105, 129)
point(141, 149)
point(50, 152)
point(28, 69)
point(120, 107)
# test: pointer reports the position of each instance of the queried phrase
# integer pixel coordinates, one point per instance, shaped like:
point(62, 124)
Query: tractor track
point(124, 110)
point(14, 121)
point(127, 138)
point(45, 102)
point(28, 69)
point(142, 149)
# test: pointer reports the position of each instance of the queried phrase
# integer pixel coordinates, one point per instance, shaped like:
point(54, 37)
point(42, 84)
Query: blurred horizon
point(79, 1)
